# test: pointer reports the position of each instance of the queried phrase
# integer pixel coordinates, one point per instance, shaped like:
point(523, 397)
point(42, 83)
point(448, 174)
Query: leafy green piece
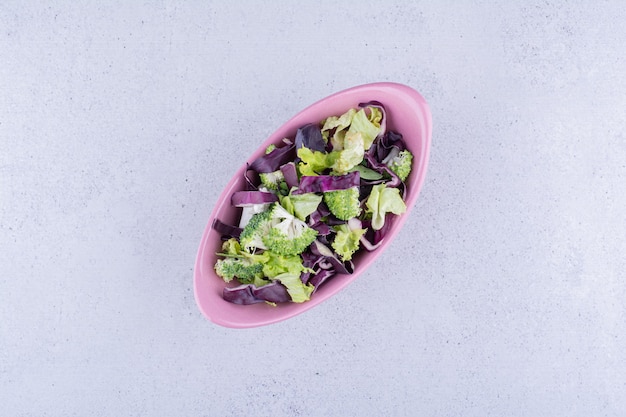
point(366, 121)
point(340, 124)
point(383, 200)
point(351, 155)
point(279, 264)
point(301, 205)
point(346, 241)
point(315, 162)
point(298, 291)
point(367, 173)
point(352, 134)
point(340, 162)
point(362, 124)
point(375, 115)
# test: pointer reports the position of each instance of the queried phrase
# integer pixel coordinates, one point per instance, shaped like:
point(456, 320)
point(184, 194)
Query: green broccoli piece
point(274, 181)
point(245, 270)
point(246, 267)
point(251, 236)
point(277, 230)
point(287, 235)
point(231, 247)
point(401, 164)
point(344, 204)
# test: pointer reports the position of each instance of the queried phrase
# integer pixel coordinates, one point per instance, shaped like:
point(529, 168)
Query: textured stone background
point(121, 122)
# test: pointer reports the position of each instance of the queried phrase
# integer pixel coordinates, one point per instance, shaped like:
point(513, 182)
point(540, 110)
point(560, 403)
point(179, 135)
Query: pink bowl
point(407, 113)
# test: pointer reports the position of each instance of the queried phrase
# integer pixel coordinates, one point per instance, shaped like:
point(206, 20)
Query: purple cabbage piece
point(321, 277)
point(373, 238)
point(331, 220)
point(316, 220)
point(305, 276)
point(315, 217)
point(386, 143)
point(318, 248)
point(226, 229)
point(310, 136)
point(272, 161)
point(291, 174)
point(324, 183)
point(324, 263)
point(378, 166)
point(240, 295)
point(370, 233)
point(323, 209)
point(370, 183)
point(346, 267)
point(321, 212)
point(385, 147)
point(273, 292)
point(252, 180)
point(310, 260)
point(369, 246)
point(323, 229)
point(251, 198)
point(380, 234)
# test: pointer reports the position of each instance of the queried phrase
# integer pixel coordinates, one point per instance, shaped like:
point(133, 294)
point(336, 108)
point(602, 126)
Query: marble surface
point(503, 296)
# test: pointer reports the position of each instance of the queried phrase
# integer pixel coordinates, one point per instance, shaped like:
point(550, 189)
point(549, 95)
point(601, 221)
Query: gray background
point(504, 295)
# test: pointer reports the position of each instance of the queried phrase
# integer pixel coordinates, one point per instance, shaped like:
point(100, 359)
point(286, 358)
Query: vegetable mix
point(312, 203)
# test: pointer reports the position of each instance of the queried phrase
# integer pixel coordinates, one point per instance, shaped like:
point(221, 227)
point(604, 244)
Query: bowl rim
point(412, 98)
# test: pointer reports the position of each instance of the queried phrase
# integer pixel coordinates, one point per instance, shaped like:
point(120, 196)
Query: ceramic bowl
point(407, 113)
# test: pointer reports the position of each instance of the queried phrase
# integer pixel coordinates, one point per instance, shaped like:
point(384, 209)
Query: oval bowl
point(407, 113)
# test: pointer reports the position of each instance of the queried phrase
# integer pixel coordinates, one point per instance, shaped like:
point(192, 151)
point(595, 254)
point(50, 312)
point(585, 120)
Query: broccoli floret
point(274, 181)
point(287, 235)
point(231, 247)
point(259, 225)
point(291, 237)
point(277, 230)
point(245, 270)
point(401, 164)
point(344, 204)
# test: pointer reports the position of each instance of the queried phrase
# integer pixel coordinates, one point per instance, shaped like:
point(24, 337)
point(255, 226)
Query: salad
point(311, 204)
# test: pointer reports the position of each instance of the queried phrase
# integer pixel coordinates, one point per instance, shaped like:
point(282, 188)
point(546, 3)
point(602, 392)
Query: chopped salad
point(311, 204)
